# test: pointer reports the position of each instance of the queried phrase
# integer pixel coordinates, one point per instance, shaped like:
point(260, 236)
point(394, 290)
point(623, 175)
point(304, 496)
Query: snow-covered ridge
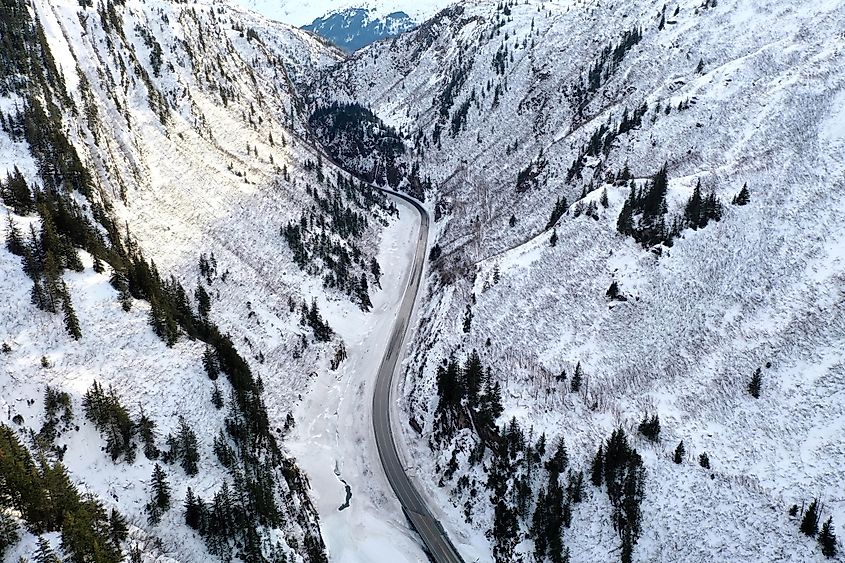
point(185, 119)
point(353, 28)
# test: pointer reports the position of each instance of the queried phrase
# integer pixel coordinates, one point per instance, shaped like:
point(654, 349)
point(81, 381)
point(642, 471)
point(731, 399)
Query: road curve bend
point(437, 542)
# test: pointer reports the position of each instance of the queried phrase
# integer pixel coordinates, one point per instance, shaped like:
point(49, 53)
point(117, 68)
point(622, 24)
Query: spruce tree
point(9, 533)
point(553, 239)
point(539, 526)
point(512, 221)
point(693, 209)
point(203, 301)
point(146, 430)
point(597, 467)
point(704, 460)
point(743, 197)
point(827, 539)
point(217, 397)
point(650, 427)
point(159, 496)
point(118, 527)
point(755, 384)
point(194, 510)
point(810, 521)
point(575, 382)
point(71, 322)
point(559, 460)
point(680, 452)
point(45, 553)
point(14, 239)
point(209, 362)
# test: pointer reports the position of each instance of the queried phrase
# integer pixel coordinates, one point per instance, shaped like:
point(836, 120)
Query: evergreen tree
point(375, 270)
point(160, 496)
point(603, 200)
point(9, 534)
point(146, 430)
point(597, 467)
point(680, 452)
point(468, 319)
point(364, 293)
point(118, 527)
point(71, 322)
point(539, 526)
point(704, 460)
point(209, 362)
point(553, 239)
point(183, 448)
point(217, 397)
point(505, 528)
point(810, 521)
point(693, 209)
point(743, 197)
point(559, 460)
point(194, 510)
point(575, 382)
point(512, 221)
point(827, 539)
point(45, 553)
point(473, 376)
point(14, 239)
point(755, 384)
point(575, 489)
point(203, 301)
point(650, 427)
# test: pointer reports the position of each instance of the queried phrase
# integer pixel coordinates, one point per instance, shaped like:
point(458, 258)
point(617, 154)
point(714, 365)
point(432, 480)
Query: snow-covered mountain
point(354, 28)
point(630, 343)
point(349, 24)
point(171, 241)
point(532, 120)
point(304, 12)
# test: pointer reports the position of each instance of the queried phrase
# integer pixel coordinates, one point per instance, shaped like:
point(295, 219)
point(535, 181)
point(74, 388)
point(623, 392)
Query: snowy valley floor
point(334, 440)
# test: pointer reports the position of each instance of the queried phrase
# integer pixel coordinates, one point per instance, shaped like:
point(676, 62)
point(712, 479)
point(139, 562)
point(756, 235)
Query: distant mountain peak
point(354, 28)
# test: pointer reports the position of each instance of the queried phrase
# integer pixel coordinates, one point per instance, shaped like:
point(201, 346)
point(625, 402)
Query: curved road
point(437, 543)
point(436, 540)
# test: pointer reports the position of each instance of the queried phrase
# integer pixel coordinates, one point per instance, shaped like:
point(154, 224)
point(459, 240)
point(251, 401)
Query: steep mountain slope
point(182, 230)
point(513, 109)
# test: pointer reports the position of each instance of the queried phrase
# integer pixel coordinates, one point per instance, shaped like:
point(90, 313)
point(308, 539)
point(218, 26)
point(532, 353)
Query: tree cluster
point(467, 395)
point(621, 469)
point(47, 501)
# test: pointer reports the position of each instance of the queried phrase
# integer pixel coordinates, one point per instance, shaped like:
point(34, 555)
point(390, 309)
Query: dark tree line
point(603, 68)
point(47, 501)
point(467, 397)
point(360, 141)
point(602, 139)
point(620, 468)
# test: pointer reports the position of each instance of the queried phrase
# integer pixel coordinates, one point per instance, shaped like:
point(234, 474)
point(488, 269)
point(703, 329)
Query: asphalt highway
point(437, 542)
